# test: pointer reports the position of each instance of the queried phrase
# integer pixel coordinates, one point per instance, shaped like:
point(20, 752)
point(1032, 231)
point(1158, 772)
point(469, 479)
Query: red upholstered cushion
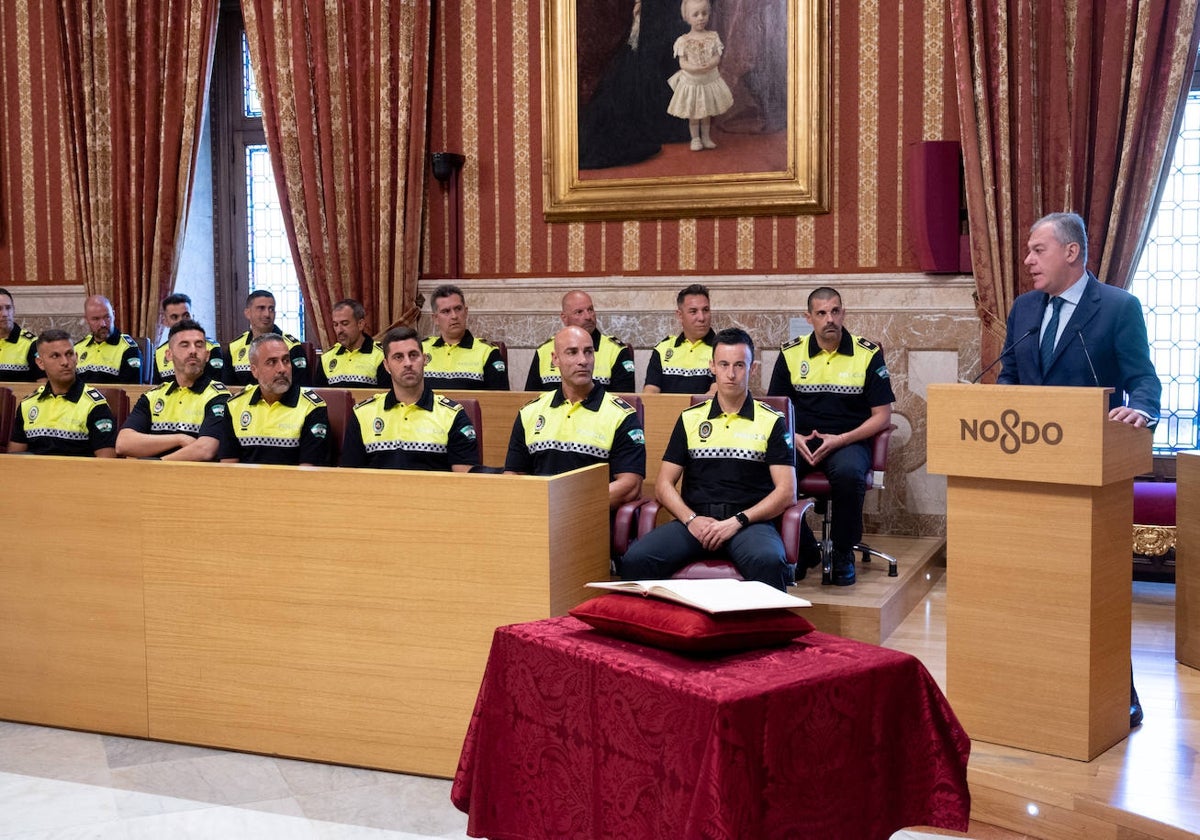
point(663, 624)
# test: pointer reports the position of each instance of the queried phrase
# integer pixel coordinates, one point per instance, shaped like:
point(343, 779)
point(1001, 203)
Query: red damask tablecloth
point(580, 735)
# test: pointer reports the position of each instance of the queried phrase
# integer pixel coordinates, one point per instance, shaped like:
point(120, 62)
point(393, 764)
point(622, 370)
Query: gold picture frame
point(799, 185)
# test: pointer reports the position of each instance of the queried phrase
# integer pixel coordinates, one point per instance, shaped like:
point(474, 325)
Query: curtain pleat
point(1065, 106)
point(136, 82)
point(344, 89)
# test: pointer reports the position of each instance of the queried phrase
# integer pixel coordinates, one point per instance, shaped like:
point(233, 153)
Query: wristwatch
point(742, 518)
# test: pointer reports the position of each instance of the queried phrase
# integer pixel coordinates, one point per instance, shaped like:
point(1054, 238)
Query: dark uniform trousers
point(756, 550)
point(847, 470)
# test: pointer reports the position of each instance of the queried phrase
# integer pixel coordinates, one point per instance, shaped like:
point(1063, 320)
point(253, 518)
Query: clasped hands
point(814, 447)
point(713, 533)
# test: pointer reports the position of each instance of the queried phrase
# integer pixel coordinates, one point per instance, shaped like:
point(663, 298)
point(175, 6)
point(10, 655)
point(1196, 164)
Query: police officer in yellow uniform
point(578, 424)
point(107, 356)
point(18, 347)
point(175, 308)
point(842, 397)
point(682, 364)
point(409, 427)
point(735, 457)
point(180, 420)
point(260, 314)
point(276, 421)
point(356, 360)
point(613, 358)
point(455, 360)
point(64, 416)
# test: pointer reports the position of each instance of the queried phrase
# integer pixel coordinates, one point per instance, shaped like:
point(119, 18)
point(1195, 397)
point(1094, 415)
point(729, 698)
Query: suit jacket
point(1108, 325)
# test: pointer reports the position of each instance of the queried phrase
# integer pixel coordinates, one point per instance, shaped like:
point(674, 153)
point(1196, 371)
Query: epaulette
point(549, 341)
point(217, 386)
point(794, 342)
point(28, 334)
point(291, 338)
point(161, 346)
point(535, 399)
point(35, 393)
point(369, 399)
point(130, 340)
point(621, 403)
point(614, 339)
point(446, 401)
point(704, 405)
point(769, 408)
point(312, 396)
point(866, 343)
point(94, 395)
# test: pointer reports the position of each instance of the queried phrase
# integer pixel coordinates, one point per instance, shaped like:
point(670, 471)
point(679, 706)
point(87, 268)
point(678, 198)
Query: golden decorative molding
point(1153, 540)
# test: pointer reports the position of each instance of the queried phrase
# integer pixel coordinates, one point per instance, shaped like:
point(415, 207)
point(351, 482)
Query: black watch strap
point(742, 518)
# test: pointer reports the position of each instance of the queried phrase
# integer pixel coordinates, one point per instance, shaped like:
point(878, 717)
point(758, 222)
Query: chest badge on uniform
point(670, 353)
point(377, 426)
point(705, 430)
point(803, 369)
point(33, 414)
point(245, 419)
point(539, 424)
point(333, 364)
point(428, 358)
point(159, 405)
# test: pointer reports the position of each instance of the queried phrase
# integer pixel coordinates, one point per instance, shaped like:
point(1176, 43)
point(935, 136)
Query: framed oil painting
point(657, 109)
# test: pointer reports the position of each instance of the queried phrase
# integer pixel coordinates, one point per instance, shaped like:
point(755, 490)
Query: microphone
point(1012, 346)
point(1088, 356)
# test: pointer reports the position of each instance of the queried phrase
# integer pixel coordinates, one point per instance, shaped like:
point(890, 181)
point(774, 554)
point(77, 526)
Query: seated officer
point(275, 421)
point(107, 356)
point(176, 308)
point(735, 457)
point(409, 427)
point(682, 364)
point(613, 358)
point(578, 424)
point(260, 314)
point(455, 359)
point(356, 360)
point(842, 397)
point(179, 420)
point(18, 347)
point(63, 416)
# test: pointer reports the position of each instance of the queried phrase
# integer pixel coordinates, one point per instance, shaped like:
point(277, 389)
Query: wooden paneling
point(334, 615)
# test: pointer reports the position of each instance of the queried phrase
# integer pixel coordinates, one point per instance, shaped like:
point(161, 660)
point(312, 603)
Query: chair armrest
point(789, 529)
point(625, 526)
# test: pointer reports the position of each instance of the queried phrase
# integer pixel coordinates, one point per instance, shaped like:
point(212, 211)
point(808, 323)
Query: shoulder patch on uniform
point(865, 343)
point(794, 342)
point(95, 395)
point(130, 340)
point(312, 396)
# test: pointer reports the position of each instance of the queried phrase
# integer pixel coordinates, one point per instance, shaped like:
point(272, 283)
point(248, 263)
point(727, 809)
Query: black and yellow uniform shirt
point(727, 458)
point(832, 391)
point(361, 367)
point(117, 359)
point(552, 435)
point(78, 422)
point(164, 371)
point(471, 365)
point(434, 433)
point(679, 366)
point(292, 430)
point(170, 408)
point(237, 359)
point(614, 366)
point(18, 350)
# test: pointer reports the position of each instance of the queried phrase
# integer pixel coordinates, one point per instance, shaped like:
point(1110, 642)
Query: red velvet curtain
point(1066, 106)
point(136, 81)
point(344, 87)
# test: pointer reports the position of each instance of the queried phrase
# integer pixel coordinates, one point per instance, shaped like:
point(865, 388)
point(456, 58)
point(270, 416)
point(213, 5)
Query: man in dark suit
point(1088, 334)
point(1100, 333)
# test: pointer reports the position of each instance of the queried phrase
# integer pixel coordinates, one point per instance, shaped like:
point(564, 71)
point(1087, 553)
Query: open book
point(714, 595)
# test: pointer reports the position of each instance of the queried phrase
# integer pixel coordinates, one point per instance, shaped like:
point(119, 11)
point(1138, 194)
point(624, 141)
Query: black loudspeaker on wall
point(937, 207)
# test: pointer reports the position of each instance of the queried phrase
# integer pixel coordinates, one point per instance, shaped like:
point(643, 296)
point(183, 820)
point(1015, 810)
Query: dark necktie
point(1050, 334)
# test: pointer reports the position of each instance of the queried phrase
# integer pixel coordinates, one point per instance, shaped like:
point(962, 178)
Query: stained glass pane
point(1167, 282)
point(271, 264)
point(251, 105)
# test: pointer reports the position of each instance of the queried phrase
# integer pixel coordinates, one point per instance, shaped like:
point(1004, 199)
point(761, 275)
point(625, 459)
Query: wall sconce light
point(446, 167)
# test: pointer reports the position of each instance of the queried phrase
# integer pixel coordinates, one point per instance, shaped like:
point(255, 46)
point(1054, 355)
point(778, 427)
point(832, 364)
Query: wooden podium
point(1039, 514)
point(1187, 559)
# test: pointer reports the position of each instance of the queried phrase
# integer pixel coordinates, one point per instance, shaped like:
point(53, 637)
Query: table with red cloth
point(580, 735)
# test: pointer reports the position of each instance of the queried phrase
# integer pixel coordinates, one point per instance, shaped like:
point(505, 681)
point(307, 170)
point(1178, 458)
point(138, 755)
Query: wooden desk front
point(335, 615)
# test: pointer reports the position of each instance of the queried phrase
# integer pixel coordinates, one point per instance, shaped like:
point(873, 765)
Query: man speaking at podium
point(1088, 334)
